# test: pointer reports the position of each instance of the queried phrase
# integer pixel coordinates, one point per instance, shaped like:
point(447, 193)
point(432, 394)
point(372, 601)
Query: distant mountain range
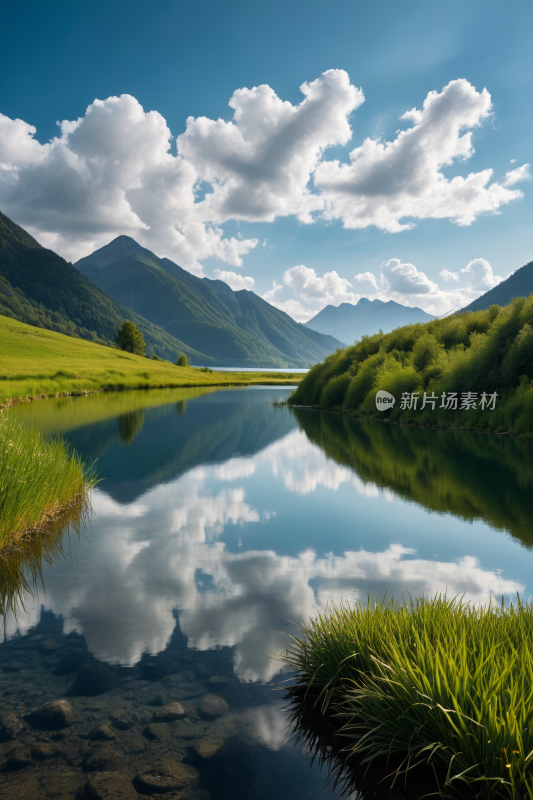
point(350, 322)
point(231, 328)
point(42, 289)
point(519, 284)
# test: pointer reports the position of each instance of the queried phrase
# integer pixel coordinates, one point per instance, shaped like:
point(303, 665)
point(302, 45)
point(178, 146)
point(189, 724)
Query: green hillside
point(35, 362)
point(519, 284)
point(40, 288)
point(207, 315)
point(475, 352)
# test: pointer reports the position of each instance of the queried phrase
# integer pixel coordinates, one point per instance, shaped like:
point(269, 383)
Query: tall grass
point(39, 479)
point(436, 681)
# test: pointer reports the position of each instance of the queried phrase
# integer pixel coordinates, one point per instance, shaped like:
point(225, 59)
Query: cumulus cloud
point(387, 182)
point(113, 171)
point(260, 163)
point(516, 175)
point(234, 280)
point(302, 292)
point(405, 284)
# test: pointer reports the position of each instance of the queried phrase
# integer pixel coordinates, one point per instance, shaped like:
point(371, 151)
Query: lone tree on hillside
point(182, 361)
point(130, 338)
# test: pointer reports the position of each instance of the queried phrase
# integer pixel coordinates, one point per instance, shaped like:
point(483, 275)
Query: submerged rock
point(213, 706)
point(208, 746)
point(169, 713)
point(93, 678)
point(105, 759)
point(10, 725)
point(104, 733)
point(42, 750)
point(155, 731)
point(110, 786)
point(122, 720)
point(165, 776)
point(19, 757)
point(52, 716)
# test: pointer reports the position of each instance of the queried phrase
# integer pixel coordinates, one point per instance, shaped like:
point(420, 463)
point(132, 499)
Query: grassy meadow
point(424, 682)
point(40, 480)
point(473, 352)
point(35, 362)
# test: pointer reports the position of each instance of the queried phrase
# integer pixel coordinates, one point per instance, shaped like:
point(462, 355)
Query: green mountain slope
point(254, 315)
point(234, 328)
point(519, 284)
point(40, 288)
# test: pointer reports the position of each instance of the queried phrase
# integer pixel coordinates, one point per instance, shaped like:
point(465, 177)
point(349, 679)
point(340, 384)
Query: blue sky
point(111, 173)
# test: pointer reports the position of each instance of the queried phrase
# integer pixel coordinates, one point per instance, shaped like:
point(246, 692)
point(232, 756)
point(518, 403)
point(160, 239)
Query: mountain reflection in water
point(221, 521)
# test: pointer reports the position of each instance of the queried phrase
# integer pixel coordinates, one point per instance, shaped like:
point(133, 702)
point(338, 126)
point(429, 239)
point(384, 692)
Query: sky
point(313, 152)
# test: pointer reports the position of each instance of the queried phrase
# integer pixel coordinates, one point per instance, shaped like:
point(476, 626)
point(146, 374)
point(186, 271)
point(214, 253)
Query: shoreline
point(410, 424)
point(13, 401)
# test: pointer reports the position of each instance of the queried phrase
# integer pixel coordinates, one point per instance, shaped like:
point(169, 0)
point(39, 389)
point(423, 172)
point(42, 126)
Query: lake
point(220, 521)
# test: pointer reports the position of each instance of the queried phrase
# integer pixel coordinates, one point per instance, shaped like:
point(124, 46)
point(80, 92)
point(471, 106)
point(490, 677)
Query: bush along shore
point(469, 370)
point(41, 481)
point(437, 686)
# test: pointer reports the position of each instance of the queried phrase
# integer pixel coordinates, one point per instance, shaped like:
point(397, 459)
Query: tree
point(130, 338)
point(182, 361)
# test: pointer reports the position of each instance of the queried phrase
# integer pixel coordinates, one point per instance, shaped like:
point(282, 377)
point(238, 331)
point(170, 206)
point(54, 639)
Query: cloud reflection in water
point(126, 590)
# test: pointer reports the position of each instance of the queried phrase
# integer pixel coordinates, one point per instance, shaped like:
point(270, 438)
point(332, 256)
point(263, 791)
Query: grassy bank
point(436, 681)
point(36, 362)
point(477, 352)
point(40, 481)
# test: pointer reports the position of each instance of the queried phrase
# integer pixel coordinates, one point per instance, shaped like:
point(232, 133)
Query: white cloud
point(302, 293)
point(113, 172)
point(260, 163)
point(446, 275)
point(108, 173)
point(516, 175)
point(387, 182)
point(235, 281)
point(405, 284)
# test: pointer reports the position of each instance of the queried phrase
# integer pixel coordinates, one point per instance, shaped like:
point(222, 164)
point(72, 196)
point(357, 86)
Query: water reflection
point(221, 521)
point(468, 474)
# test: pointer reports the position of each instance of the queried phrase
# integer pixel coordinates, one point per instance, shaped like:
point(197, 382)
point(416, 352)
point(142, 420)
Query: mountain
point(233, 328)
point(349, 322)
point(519, 284)
point(40, 288)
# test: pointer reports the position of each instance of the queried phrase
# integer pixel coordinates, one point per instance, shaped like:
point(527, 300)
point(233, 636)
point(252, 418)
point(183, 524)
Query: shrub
point(182, 361)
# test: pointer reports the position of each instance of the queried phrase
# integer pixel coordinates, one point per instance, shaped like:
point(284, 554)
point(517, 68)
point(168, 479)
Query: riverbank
point(42, 481)
point(430, 682)
point(467, 371)
point(37, 363)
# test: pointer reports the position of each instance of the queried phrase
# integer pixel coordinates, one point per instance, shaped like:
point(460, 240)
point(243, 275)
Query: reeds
point(40, 479)
point(438, 682)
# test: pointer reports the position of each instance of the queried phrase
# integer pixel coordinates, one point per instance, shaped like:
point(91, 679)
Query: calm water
point(220, 522)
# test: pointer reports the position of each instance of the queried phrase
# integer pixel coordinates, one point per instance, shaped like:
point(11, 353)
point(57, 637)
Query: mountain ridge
point(233, 328)
point(518, 284)
point(40, 288)
point(349, 321)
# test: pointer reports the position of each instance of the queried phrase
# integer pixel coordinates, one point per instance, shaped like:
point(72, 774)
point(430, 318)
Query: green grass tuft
point(435, 680)
point(39, 479)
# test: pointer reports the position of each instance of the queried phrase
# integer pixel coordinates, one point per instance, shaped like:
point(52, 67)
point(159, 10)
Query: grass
point(40, 480)
point(35, 362)
point(482, 351)
point(434, 681)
